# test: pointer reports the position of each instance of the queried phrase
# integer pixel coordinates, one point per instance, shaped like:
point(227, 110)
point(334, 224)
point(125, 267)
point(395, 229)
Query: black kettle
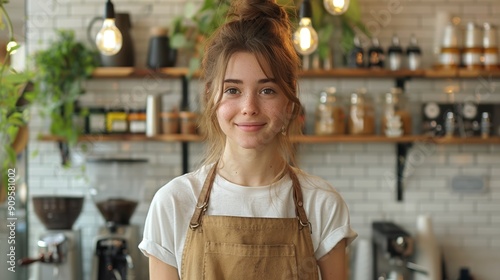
point(126, 56)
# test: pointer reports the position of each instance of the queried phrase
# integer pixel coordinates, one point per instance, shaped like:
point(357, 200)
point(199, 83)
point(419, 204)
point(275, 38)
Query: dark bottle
point(356, 58)
point(375, 55)
point(465, 274)
point(395, 54)
point(413, 54)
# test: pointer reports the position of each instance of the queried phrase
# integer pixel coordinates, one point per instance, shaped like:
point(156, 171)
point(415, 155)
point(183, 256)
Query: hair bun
point(255, 9)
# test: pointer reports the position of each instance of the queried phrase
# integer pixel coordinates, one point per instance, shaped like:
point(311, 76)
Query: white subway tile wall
point(467, 225)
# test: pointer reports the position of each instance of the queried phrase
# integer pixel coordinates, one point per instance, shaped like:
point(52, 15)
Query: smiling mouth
point(250, 127)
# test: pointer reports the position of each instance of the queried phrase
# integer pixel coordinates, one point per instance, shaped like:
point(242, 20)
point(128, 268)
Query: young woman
point(248, 212)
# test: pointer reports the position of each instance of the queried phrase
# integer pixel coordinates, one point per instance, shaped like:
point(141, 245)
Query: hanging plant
point(15, 98)
point(60, 71)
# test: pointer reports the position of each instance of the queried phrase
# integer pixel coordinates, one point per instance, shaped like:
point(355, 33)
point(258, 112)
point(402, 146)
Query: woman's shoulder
point(316, 186)
point(187, 185)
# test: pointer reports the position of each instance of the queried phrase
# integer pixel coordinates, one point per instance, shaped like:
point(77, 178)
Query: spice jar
point(361, 118)
point(95, 122)
point(170, 122)
point(116, 121)
point(188, 122)
point(396, 105)
point(330, 116)
point(137, 121)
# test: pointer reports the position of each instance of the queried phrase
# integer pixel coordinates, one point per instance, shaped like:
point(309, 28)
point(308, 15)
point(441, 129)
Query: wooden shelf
point(129, 72)
point(360, 73)
point(311, 139)
point(177, 72)
point(127, 137)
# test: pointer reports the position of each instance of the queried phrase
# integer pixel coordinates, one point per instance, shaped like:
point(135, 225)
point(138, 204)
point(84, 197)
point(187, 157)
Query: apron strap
point(299, 201)
point(202, 204)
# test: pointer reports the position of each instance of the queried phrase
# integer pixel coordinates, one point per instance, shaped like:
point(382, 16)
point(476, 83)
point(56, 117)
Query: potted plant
point(60, 71)
point(14, 99)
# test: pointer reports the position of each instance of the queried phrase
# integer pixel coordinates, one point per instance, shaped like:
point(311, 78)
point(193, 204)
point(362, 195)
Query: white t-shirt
point(173, 205)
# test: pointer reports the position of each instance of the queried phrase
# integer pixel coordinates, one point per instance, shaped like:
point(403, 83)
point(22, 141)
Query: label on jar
point(119, 126)
point(490, 59)
point(137, 126)
point(449, 59)
point(471, 58)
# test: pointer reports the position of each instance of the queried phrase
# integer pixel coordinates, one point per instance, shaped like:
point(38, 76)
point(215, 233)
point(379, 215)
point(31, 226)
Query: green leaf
point(190, 10)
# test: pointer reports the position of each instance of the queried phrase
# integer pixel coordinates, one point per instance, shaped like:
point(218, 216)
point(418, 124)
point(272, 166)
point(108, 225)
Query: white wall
point(467, 226)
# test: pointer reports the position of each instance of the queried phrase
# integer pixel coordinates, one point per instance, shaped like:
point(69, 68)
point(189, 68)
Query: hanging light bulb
point(336, 7)
point(109, 38)
point(12, 45)
point(305, 38)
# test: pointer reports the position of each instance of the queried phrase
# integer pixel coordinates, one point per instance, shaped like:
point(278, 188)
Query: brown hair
point(263, 28)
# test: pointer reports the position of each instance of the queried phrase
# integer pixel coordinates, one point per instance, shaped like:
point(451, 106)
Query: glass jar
point(396, 105)
point(361, 118)
point(330, 116)
point(188, 122)
point(137, 121)
point(116, 121)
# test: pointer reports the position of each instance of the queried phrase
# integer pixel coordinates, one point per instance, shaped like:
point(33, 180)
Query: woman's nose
point(250, 105)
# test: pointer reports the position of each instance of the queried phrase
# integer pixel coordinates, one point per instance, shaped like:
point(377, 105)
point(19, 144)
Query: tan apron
point(225, 247)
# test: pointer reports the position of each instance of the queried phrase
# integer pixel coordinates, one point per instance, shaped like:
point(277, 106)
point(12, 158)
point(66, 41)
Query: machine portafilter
point(392, 247)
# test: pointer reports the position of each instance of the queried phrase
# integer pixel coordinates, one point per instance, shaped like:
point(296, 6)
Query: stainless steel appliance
point(468, 117)
point(116, 191)
point(392, 247)
point(59, 247)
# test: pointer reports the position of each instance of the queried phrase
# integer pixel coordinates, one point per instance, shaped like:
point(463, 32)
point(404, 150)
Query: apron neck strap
point(203, 198)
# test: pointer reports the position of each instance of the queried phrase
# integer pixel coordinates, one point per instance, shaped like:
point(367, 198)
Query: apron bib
point(226, 247)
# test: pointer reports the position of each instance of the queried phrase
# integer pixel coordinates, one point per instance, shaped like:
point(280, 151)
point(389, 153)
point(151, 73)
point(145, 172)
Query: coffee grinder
point(116, 185)
point(392, 246)
point(59, 247)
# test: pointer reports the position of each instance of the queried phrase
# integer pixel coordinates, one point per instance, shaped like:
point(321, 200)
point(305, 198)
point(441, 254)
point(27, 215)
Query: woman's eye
point(231, 91)
point(268, 91)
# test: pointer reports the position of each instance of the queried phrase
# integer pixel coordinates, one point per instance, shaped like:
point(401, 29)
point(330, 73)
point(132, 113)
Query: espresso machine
point(59, 247)
point(116, 185)
point(392, 247)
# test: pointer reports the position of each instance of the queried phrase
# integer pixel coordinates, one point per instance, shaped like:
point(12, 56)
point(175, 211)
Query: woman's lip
point(249, 127)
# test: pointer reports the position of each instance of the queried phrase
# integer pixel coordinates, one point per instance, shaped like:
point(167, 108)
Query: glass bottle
point(361, 118)
point(375, 55)
point(396, 105)
point(395, 54)
point(356, 58)
point(330, 116)
point(413, 54)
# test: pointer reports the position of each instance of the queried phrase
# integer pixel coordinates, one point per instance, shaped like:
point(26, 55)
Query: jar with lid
point(188, 122)
point(396, 105)
point(95, 122)
point(330, 116)
point(116, 120)
point(137, 121)
point(361, 118)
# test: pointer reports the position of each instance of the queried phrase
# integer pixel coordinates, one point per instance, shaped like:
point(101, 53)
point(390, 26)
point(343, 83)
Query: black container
point(160, 54)
point(376, 56)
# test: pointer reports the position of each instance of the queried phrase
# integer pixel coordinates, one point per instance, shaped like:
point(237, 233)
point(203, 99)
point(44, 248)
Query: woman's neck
point(251, 168)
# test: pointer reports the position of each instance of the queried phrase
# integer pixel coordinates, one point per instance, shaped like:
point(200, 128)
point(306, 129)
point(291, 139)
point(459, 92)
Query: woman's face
point(253, 109)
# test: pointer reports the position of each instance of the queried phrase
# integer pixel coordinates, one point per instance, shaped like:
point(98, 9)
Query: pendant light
point(12, 45)
point(305, 38)
point(336, 7)
point(109, 38)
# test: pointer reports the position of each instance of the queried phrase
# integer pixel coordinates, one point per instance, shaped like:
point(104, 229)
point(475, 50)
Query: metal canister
point(153, 107)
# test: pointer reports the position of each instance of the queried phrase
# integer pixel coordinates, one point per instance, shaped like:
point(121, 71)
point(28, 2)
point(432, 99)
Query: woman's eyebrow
point(261, 81)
